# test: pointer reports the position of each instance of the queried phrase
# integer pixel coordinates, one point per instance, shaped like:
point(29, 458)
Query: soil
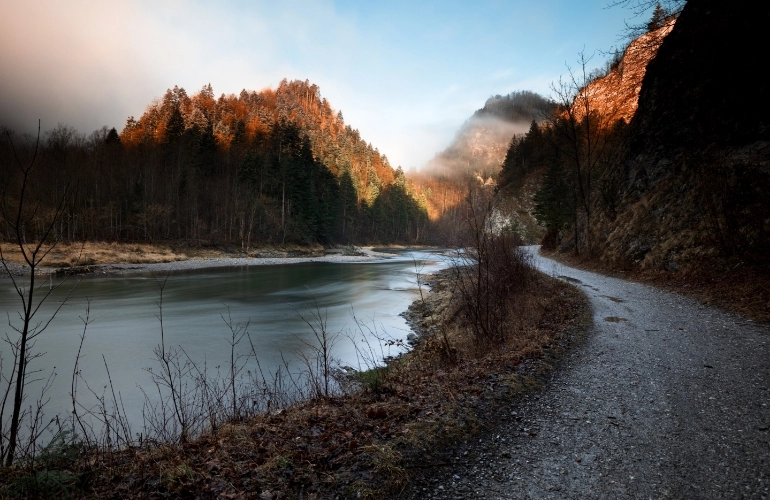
point(667, 398)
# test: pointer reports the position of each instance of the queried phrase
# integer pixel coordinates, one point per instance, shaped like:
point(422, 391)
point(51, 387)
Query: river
point(124, 326)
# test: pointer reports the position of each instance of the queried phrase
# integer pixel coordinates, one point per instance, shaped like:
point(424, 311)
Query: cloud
point(502, 74)
point(406, 74)
point(92, 63)
point(61, 61)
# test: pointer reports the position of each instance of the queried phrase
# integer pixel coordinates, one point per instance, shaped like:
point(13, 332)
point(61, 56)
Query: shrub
point(489, 275)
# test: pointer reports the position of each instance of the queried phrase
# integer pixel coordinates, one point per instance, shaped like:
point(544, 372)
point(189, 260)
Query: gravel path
point(667, 398)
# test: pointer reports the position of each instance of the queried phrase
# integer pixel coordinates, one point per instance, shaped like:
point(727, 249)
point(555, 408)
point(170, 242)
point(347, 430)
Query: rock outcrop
point(615, 96)
point(693, 180)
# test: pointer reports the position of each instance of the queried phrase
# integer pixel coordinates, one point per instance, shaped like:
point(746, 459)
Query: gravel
point(667, 398)
point(14, 270)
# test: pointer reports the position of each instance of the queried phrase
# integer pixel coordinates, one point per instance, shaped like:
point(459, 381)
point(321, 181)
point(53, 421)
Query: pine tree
point(347, 206)
point(204, 151)
point(552, 204)
point(174, 126)
point(112, 137)
point(659, 16)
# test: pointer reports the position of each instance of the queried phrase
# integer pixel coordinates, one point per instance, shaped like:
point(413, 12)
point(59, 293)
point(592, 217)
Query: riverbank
point(369, 443)
point(361, 255)
point(103, 259)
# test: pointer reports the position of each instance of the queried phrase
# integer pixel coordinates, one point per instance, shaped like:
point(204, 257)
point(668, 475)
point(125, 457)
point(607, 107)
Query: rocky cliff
point(693, 179)
point(616, 94)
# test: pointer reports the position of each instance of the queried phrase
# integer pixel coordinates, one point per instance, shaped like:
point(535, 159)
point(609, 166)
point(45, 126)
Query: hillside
point(276, 166)
point(609, 97)
point(474, 158)
point(679, 193)
point(694, 171)
point(545, 182)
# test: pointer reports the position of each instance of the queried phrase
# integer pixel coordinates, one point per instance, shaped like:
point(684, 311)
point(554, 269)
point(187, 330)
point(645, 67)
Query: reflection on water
point(125, 327)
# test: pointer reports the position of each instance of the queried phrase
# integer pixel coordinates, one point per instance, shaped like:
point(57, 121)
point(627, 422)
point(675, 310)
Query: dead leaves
point(376, 413)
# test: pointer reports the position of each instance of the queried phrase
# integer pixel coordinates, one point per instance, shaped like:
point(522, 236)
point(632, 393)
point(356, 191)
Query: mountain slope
point(694, 178)
point(479, 147)
point(616, 94)
point(277, 166)
point(547, 173)
point(304, 173)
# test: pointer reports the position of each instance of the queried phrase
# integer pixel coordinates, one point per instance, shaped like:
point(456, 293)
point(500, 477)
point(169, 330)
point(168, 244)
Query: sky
point(406, 74)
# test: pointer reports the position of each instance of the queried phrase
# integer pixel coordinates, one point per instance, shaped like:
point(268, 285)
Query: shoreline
point(377, 431)
point(363, 254)
point(369, 255)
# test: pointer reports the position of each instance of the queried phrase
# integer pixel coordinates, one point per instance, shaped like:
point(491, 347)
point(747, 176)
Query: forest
point(263, 168)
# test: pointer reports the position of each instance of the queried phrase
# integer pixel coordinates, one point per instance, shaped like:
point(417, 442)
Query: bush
point(489, 275)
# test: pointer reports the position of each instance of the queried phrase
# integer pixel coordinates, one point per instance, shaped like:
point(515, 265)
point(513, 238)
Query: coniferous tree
point(658, 19)
point(261, 167)
point(174, 126)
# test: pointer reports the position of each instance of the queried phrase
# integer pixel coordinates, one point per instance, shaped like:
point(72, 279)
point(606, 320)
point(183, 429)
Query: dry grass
point(94, 253)
point(663, 221)
point(98, 253)
point(362, 445)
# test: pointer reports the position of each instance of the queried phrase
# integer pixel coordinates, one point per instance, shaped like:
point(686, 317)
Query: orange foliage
point(256, 113)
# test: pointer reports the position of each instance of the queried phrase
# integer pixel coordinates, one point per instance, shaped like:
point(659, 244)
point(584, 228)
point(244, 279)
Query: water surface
point(124, 321)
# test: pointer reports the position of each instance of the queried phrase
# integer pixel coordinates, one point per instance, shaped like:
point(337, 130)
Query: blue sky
point(407, 74)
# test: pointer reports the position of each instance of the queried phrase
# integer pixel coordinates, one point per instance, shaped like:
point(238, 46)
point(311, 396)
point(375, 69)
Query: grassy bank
point(90, 253)
point(77, 257)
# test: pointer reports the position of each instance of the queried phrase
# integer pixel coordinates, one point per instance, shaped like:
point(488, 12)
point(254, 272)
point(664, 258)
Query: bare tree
point(488, 274)
point(583, 135)
point(32, 230)
point(319, 371)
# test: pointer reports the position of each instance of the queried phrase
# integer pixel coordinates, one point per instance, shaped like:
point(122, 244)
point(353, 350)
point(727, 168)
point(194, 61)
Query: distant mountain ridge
point(520, 106)
point(474, 158)
point(479, 147)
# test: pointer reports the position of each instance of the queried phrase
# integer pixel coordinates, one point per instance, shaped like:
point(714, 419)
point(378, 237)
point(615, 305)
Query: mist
point(478, 149)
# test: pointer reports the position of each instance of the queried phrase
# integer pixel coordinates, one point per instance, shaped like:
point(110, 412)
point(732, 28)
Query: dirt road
point(667, 398)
